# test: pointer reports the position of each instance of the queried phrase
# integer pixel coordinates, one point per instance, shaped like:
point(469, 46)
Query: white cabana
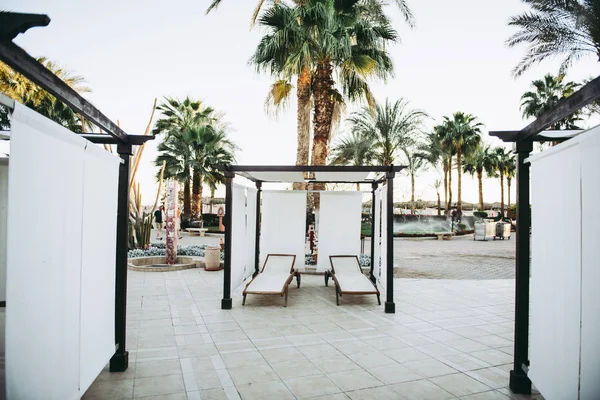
point(261, 222)
point(565, 273)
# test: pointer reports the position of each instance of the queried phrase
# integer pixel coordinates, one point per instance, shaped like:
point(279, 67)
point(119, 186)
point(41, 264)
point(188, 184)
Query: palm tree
point(414, 163)
point(436, 150)
point(476, 163)
point(19, 88)
point(463, 133)
point(391, 128)
point(502, 160)
point(511, 172)
point(210, 146)
point(177, 155)
point(177, 117)
point(546, 95)
point(354, 149)
point(569, 29)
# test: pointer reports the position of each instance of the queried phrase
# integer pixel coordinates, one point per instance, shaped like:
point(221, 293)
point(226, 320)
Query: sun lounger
point(349, 279)
point(274, 278)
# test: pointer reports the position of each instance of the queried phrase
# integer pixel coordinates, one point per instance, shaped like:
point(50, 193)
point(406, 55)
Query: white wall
point(3, 224)
point(60, 260)
point(565, 269)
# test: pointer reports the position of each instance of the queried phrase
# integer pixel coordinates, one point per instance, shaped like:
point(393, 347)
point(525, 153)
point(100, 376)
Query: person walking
point(158, 221)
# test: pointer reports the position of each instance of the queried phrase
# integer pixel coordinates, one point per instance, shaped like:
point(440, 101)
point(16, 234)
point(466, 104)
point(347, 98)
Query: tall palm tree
point(436, 150)
point(511, 172)
point(569, 29)
point(177, 117)
point(19, 88)
point(392, 127)
point(502, 160)
point(353, 149)
point(546, 94)
point(464, 134)
point(476, 163)
point(177, 155)
point(414, 163)
point(210, 146)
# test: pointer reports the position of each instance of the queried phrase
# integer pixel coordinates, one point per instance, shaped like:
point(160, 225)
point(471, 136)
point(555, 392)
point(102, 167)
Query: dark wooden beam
point(513, 136)
point(103, 138)
point(20, 61)
point(11, 23)
point(311, 168)
point(566, 107)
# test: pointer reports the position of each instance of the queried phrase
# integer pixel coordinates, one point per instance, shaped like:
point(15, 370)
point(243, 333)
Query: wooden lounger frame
point(284, 290)
point(338, 290)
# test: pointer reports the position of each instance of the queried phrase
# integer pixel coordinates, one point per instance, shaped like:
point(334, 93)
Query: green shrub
point(480, 214)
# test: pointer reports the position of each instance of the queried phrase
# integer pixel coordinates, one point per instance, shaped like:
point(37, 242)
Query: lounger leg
point(326, 278)
point(337, 297)
point(298, 278)
point(285, 304)
point(378, 300)
point(244, 300)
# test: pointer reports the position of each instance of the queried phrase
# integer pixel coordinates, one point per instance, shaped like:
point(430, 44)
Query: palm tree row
point(195, 141)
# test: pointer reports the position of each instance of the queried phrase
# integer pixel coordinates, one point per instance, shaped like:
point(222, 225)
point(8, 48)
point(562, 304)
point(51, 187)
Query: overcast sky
point(133, 51)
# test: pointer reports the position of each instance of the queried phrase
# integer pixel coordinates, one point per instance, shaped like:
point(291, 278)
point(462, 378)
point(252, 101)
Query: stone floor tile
point(420, 390)
point(213, 394)
point(253, 374)
point(463, 362)
point(113, 389)
point(406, 354)
point(158, 385)
point(493, 357)
point(491, 395)
point(157, 368)
point(371, 360)
point(392, 374)
point(310, 386)
point(318, 351)
point(208, 379)
point(495, 378)
point(243, 359)
point(336, 396)
point(197, 350)
point(173, 396)
point(467, 345)
point(295, 369)
point(378, 393)
point(429, 368)
point(335, 364)
point(460, 384)
point(265, 390)
point(287, 354)
point(354, 380)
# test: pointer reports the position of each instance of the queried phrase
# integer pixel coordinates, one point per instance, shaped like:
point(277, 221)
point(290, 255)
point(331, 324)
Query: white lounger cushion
point(274, 275)
point(349, 275)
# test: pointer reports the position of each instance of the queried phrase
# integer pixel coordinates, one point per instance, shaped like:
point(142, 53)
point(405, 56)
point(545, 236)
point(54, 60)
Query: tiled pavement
point(448, 339)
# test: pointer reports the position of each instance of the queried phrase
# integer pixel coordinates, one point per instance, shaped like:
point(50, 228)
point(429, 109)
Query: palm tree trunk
point(196, 183)
point(200, 197)
point(439, 204)
point(502, 194)
point(445, 168)
point(480, 183)
point(412, 193)
point(508, 179)
point(303, 123)
point(459, 171)
point(449, 206)
point(187, 197)
point(323, 112)
point(322, 118)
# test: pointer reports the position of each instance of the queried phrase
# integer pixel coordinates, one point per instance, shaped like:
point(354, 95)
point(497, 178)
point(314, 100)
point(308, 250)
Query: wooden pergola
point(523, 146)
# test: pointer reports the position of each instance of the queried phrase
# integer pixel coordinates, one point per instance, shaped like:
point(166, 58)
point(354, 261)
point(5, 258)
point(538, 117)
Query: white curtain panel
point(98, 256)
point(250, 253)
point(383, 259)
point(44, 259)
point(556, 272)
point(3, 224)
point(590, 295)
point(339, 226)
point(283, 224)
point(238, 236)
point(377, 236)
